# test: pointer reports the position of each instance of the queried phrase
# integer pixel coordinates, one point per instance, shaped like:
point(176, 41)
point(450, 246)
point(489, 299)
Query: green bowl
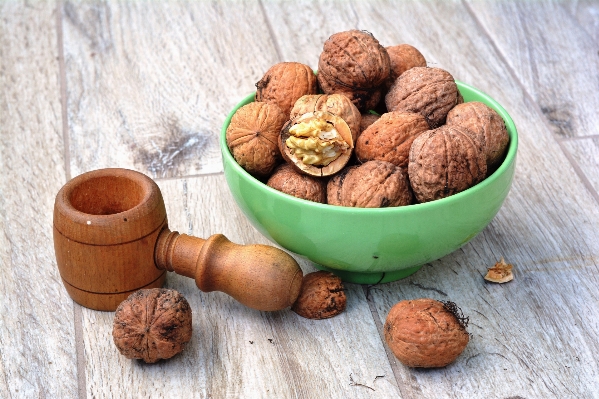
point(368, 246)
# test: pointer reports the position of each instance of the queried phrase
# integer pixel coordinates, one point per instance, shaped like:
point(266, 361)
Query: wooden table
point(146, 85)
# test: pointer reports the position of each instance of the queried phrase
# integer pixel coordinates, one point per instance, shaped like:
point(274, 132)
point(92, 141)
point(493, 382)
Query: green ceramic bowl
point(369, 246)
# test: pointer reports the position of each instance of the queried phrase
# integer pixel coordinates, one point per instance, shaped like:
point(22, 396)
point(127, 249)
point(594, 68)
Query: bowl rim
point(509, 159)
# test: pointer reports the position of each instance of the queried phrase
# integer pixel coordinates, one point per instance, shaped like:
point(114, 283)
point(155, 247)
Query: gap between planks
point(77, 309)
point(579, 172)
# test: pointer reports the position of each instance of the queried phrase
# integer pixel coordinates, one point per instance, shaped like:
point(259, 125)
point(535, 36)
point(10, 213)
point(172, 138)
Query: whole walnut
point(367, 120)
point(252, 137)
point(363, 99)
point(284, 83)
point(445, 161)
point(354, 62)
point(334, 186)
point(322, 296)
point(287, 179)
point(431, 92)
point(390, 138)
point(483, 120)
point(374, 184)
point(152, 324)
point(336, 104)
point(403, 57)
point(425, 332)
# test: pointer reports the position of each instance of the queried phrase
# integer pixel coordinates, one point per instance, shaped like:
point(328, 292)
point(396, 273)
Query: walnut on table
point(152, 324)
point(322, 296)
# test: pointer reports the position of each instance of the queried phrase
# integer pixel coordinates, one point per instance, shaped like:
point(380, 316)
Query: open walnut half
point(317, 143)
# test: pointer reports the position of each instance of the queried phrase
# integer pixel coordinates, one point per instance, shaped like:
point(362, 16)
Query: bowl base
point(370, 278)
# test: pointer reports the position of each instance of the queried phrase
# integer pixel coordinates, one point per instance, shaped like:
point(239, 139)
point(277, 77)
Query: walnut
point(500, 273)
point(354, 63)
point(252, 137)
point(286, 179)
point(322, 296)
point(317, 143)
point(374, 184)
point(284, 83)
point(390, 138)
point(426, 333)
point(336, 104)
point(431, 92)
point(403, 57)
point(367, 120)
point(481, 119)
point(152, 324)
point(334, 186)
point(445, 161)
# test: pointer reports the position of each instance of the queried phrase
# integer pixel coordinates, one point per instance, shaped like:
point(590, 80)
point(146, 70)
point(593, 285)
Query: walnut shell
point(374, 184)
point(425, 333)
point(445, 161)
point(431, 92)
point(284, 83)
point(355, 64)
point(367, 120)
point(152, 324)
point(287, 179)
point(481, 119)
point(363, 99)
point(334, 186)
point(322, 296)
point(336, 104)
point(390, 138)
point(252, 137)
point(335, 166)
point(403, 57)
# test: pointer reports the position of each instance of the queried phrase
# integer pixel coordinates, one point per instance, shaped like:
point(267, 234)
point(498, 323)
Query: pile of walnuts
point(374, 127)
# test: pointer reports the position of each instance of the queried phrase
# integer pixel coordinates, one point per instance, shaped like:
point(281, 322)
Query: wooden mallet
point(111, 238)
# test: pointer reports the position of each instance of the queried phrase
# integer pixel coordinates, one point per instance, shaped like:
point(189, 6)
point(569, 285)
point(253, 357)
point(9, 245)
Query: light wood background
point(146, 85)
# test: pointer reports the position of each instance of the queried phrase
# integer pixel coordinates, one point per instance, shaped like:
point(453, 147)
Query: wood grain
point(546, 229)
point(149, 84)
point(37, 340)
point(552, 55)
point(236, 351)
point(585, 154)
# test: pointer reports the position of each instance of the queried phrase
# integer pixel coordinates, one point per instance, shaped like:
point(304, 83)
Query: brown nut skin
point(390, 138)
point(287, 179)
point(252, 137)
point(424, 333)
point(431, 92)
point(403, 57)
point(336, 104)
point(354, 63)
point(335, 184)
point(374, 184)
point(152, 324)
point(284, 83)
point(322, 296)
point(445, 161)
point(319, 171)
point(481, 119)
point(367, 120)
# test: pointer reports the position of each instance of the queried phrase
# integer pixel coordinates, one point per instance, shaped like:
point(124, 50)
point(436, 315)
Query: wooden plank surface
point(37, 339)
point(147, 86)
point(237, 352)
point(149, 83)
point(519, 348)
